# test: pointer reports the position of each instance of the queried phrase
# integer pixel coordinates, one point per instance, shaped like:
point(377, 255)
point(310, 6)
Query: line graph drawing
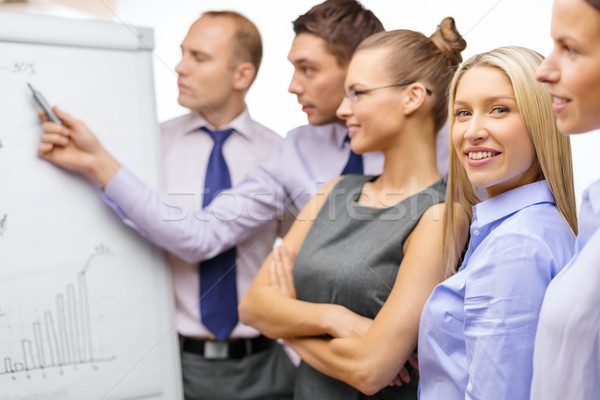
point(63, 336)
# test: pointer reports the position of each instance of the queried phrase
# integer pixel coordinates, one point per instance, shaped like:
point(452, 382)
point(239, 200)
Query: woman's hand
point(348, 324)
point(282, 271)
point(343, 322)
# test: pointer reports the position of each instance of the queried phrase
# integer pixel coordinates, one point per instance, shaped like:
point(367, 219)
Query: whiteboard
point(85, 302)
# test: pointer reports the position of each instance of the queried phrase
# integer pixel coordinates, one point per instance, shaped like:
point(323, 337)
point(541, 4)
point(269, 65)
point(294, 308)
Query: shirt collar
point(512, 201)
point(240, 124)
point(592, 195)
point(340, 134)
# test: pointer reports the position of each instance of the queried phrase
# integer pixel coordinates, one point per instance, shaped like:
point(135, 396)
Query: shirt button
point(476, 232)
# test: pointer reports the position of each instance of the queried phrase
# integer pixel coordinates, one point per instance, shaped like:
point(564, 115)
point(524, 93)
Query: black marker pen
point(44, 104)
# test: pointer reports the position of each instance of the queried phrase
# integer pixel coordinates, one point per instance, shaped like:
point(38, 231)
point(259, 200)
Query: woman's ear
point(414, 98)
point(243, 76)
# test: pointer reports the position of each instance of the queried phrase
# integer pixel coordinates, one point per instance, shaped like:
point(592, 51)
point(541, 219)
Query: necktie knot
point(355, 161)
point(218, 137)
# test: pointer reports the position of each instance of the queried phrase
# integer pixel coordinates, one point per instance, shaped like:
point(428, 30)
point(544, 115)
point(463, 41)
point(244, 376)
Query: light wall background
point(485, 24)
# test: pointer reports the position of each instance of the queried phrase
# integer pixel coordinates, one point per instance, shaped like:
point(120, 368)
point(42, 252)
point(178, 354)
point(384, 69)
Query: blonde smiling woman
point(478, 327)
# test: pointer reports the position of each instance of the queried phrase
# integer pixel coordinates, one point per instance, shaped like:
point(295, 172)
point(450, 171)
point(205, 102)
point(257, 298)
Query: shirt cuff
point(124, 190)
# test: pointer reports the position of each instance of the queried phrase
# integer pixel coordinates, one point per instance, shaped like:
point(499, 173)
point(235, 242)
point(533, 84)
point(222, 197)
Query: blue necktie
point(355, 162)
point(218, 289)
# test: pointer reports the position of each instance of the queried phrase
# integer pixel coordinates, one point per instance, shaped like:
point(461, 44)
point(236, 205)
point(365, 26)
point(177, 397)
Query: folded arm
point(280, 315)
point(372, 361)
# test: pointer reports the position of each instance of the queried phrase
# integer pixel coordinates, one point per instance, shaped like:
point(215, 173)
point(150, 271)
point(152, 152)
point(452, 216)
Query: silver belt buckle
point(214, 350)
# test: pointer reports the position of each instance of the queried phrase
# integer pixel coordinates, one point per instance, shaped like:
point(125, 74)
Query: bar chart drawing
point(80, 322)
point(62, 337)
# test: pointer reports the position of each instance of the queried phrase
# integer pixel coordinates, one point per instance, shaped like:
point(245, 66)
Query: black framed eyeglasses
point(354, 95)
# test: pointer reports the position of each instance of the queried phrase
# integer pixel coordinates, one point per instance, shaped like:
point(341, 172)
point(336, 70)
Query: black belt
point(234, 349)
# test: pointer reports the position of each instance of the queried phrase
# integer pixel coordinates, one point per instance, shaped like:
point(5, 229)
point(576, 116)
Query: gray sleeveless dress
point(351, 257)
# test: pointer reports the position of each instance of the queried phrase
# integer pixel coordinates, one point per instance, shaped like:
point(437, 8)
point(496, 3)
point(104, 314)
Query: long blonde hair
point(552, 150)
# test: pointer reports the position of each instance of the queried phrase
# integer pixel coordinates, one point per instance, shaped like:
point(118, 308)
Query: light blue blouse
point(478, 327)
point(566, 361)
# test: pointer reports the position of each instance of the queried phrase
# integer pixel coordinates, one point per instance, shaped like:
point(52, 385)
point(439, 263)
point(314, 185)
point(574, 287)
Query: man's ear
point(243, 75)
point(414, 98)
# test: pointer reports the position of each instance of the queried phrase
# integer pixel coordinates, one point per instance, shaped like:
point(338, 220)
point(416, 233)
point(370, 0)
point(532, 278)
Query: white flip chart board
point(85, 302)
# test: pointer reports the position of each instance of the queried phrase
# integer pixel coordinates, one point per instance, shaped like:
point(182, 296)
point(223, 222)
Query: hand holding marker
point(44, 104)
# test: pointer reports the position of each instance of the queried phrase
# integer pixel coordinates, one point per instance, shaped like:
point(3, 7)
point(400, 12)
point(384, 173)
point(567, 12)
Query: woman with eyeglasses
point(369, 248)
point(567, 348)
point(478, 327)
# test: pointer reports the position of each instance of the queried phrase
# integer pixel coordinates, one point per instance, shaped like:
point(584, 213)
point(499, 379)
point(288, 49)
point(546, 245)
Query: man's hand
point(74, 147)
